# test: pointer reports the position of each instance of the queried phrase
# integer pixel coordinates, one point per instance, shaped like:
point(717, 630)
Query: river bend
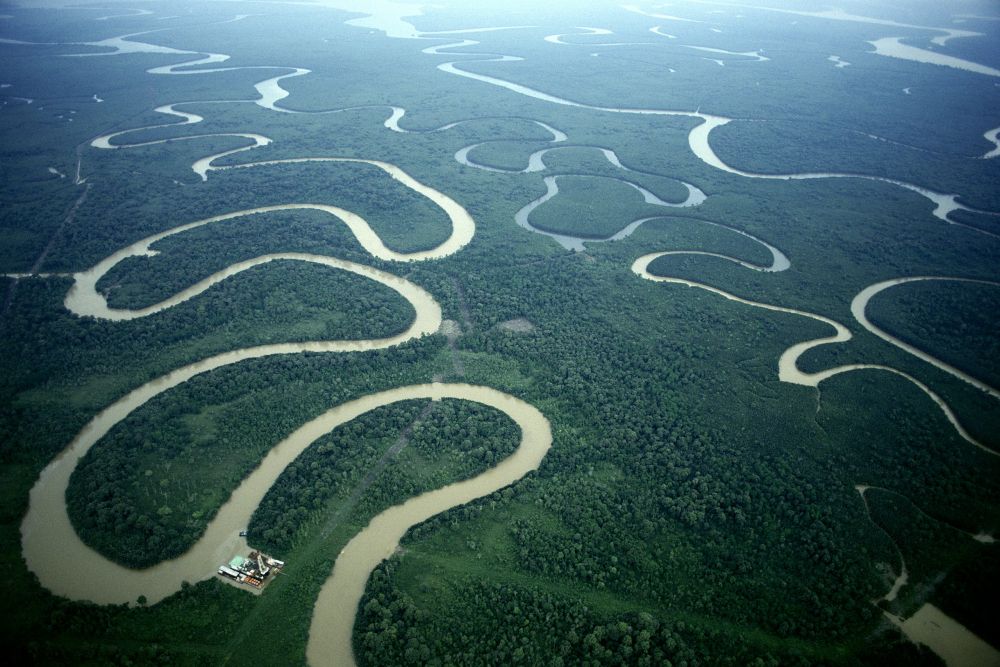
point(788, 370)
point(52, 548)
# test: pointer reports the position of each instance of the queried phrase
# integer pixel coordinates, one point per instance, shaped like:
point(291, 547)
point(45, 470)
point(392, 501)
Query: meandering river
point(333, 618)
point(698, 137)
point(570, 242)
point(788, 369)
point(68, 567)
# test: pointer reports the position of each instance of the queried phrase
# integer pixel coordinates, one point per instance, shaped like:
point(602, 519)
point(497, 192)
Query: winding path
point(904, 575)
point(56, 554)
point(992, 136)
point(46, 531)
point(68, 567)
point(930, 626)
point(788, 370)
point(698, 137)
point(270, 93)
point(588, 32)
point(860, 303)
point(333, 618)
point(523, 216)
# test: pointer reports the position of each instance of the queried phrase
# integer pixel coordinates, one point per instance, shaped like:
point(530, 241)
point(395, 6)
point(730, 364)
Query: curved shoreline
point(56, 554)
point(698, 136)
point(893, 47)
point(779, 261)
point(558, 39)
point(270, 92)
point(992, 136)
point(860, 304)
point(58, 557)
point(51, 547)
point(68, 567)
point(203, 165)
point(534, 160)
point(522, 217)
point(336, 607)
point(84, 299)
point(788, 370)
point(463, 227)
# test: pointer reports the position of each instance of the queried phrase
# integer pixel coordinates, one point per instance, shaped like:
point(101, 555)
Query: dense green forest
point(916, 312)
point(598, 208)
point(694, 509)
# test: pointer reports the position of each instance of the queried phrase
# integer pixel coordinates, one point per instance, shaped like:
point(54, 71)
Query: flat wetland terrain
point(669, 340)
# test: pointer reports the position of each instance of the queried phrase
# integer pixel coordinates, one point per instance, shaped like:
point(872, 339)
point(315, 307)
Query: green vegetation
point(592, 207)
point(954, 321)
point(506, 155)
point(693, 509)
point(165, 470)
point(757, 147)
point(433, 443)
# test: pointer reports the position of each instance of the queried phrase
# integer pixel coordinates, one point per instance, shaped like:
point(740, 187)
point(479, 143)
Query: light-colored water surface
point(587, 32)
point(336, 606)
point(788, 369)
point(51, 547)
point(859, 307)
point(894, 48)
point(841, 15)
point(992, 136)
point(698, 137)
point(83, 297)
point(951, 640)
point(570, 242)
point(754, 56)
point(68, 567)
point(636, 9)
point(270, 93)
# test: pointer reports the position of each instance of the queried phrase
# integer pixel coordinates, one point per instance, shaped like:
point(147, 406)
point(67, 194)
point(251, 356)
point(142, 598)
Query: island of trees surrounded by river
point(667, 340)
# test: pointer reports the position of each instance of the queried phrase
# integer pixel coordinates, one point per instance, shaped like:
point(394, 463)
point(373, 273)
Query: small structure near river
point(255, 570)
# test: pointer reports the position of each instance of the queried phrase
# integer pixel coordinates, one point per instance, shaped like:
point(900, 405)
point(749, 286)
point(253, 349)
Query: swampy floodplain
point(667, 339)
